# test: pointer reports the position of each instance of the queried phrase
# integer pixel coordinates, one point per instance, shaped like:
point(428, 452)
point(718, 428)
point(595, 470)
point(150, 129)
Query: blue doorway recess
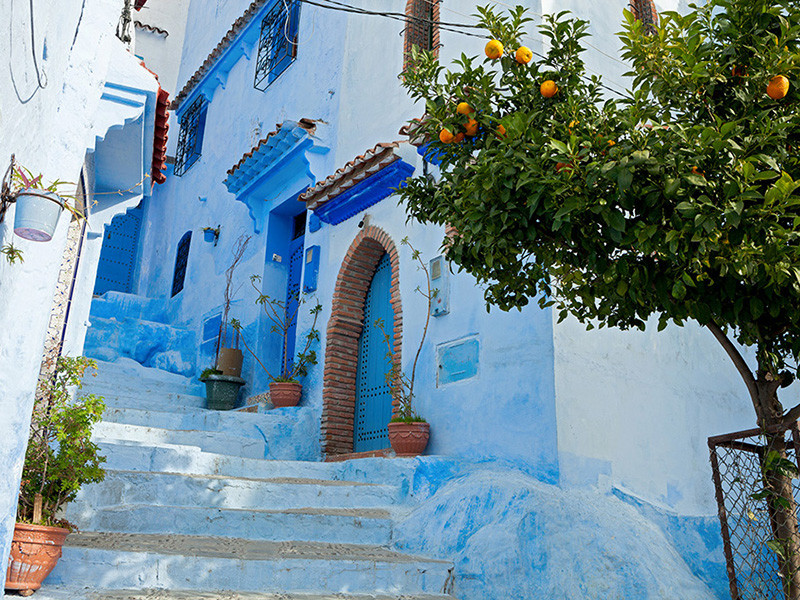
point(118, 253)
point(293, 296)
point(373, 409)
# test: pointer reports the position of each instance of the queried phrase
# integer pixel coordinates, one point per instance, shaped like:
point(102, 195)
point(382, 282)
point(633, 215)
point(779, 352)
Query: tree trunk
point(779, 487)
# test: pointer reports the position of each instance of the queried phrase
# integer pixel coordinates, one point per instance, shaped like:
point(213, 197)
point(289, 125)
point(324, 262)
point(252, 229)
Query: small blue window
point(181, 259)
point(190, 138)
point(277, 46)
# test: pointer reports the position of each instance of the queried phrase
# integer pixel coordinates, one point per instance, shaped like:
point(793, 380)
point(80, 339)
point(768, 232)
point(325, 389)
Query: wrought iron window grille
point(277, 45)
point(190, 138)
point(181, 261)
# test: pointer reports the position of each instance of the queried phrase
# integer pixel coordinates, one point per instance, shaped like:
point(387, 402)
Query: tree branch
point(738, 361)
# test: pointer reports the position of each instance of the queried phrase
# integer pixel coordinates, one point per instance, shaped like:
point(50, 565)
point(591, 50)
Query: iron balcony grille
point(277, 46)
point(190, 138)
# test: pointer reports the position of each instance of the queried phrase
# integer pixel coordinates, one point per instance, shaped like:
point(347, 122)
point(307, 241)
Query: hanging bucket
point(37, 214)
point(209, 235)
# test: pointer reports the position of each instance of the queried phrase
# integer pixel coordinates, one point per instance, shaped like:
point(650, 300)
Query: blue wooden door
point(118, 253)
point(373, 409)
point(293, 295)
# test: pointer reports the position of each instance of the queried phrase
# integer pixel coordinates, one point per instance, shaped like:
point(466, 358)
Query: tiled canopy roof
point(226, 41)
point(268, 149)
point(354, 172)
point(160, 137)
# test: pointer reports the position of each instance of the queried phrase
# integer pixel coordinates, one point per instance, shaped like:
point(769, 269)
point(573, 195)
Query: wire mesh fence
point(756, 479)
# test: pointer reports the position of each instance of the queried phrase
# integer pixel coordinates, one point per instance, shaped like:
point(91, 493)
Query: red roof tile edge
point(309, 125)
point(351, 173)
point(226, 41)
point(159, 162)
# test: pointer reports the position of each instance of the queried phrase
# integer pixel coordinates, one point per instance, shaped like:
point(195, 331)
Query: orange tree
point(679, 201)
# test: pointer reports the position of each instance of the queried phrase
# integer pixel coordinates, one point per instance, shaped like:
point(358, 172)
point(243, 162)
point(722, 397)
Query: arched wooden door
point(373, 406)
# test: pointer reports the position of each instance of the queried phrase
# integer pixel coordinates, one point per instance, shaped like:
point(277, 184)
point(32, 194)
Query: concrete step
point(120, 304)
point(174, 458)
point(219, 443)
point(48, 592)
point(278, 493)
point(335, 525)
point(140, 399)
point(127, 374)
point(136, 561)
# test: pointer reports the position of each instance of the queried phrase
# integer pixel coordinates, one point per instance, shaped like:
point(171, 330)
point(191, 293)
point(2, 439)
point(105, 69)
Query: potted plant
point(228, 360)
point(38, 206)
point(408, 432)
point(222, 391)
point(284, 388)
point(60, 458)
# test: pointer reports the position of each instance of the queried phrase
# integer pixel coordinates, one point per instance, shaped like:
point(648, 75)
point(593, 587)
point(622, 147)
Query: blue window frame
point(181, 260)
point(190, 138)
point(277, 46)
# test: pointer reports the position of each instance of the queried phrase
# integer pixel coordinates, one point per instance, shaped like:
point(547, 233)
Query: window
point(277, 46)
point(645, 11)
point(422, 29)
point(181, 259)
point(190, 138)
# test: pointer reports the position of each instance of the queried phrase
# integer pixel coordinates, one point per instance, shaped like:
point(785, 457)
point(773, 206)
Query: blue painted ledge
point(365, 194)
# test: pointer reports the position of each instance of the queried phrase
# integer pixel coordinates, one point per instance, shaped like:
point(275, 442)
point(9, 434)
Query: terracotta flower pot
point(35, 550)
point(285, 393)
point(229, 362)
point(409, 439)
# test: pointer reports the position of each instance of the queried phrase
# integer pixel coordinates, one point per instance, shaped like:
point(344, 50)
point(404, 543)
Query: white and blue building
point(562, 463)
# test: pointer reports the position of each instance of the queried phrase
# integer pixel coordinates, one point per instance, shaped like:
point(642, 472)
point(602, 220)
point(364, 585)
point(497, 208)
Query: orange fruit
point(494, 49)
point(739, 71)
point(501, 131)
point(464, 108)
point(523, 55)
point(778, 87)
point(548, 88)
point(611, 142)
point(459, 137)
point(446, 136)
point(472, 127)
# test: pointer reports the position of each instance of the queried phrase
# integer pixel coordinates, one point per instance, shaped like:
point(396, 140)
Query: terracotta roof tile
point(354, 172)
point(226, 41)
point(159, 164)
point(308, 124)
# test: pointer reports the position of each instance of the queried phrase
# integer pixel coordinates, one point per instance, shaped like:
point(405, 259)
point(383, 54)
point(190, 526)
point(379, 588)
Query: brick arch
point(344, 329)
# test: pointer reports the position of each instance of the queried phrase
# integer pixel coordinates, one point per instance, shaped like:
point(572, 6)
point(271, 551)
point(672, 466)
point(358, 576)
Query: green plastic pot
point(222, 391)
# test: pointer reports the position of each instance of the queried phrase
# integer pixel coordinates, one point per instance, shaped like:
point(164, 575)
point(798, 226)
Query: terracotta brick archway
point(344, 329)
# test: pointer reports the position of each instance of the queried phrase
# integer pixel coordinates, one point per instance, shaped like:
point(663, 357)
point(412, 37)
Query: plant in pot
point(284, 387)
point(408, 432)
point(60, 458)
point(38, 205)
point(228, 359)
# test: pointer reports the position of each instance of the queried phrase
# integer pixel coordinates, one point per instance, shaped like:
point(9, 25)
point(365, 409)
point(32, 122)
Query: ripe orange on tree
point(548, 88)
point(472, 127)
point(778, 87)
point(459, 137)
point(494, 49)
point(523, 55)
point(501, 131)
point(446, 136)
point(464, 108)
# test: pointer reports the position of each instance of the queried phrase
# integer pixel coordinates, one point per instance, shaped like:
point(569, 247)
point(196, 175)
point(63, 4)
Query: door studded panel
point(118, 253)
point(373, 409)
point(293, 296)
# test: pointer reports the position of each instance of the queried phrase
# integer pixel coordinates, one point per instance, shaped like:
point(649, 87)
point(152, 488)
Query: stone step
point(124, 561)
point(219, 443)
point(127, 374)
point(174, 458)
point(335, 525)
point(141, 399)
point(119, 304)
point(288, 435)
point(48, 592)
point(278, 493)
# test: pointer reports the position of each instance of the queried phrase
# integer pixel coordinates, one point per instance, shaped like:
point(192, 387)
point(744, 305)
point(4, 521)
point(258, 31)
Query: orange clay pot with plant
point(59, 460)
point(408, 432)
point(284, 389)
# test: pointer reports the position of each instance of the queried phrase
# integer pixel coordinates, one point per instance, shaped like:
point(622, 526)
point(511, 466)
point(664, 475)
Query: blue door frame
point(373, 409)
point(293, 295)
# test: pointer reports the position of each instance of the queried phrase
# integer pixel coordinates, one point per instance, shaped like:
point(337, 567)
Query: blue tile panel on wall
point(365, 194)
point(311, 273)
point(457, 361)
